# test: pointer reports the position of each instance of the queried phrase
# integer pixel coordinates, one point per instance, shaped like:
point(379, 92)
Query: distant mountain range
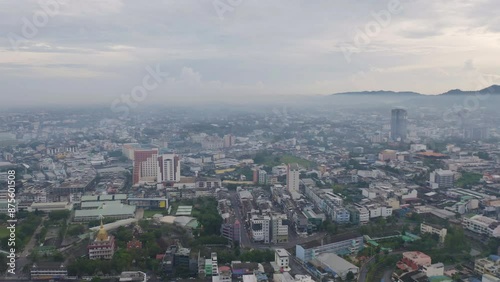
point(494, 89)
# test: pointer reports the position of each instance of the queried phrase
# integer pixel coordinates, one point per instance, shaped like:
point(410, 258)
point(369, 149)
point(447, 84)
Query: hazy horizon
point(94, 52)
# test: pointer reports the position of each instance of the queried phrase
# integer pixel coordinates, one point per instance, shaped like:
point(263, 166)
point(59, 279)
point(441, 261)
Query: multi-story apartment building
point(442, 178)
point(343, 244)
point(229, 140)
point(279, 228)
point(482, 225)
point(62, 149)
point(329, 203)
point(215, 268)
point(387, 155)
point(212, 143)
point(340, 215)
point(262, 178)
point(377, 210)
point(231, 231)
point(335, 199)
point(281, 258)
point(169, 168)
point(260, 228)
point(292, 178)
point(359, 214)
point(489, 265)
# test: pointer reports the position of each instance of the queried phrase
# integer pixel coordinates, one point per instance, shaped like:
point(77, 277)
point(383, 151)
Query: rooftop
point(282, 252)
point(415, 255)
point(335, 263)
point(110, 210)
point(332, 239)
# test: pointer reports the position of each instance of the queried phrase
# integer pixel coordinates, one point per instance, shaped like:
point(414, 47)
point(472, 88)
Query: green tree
point(59, 215)
point(76, 229)
point(58, 256)
point(3, 263)
point(484, 156)
point(455, 240)
point(349, 276)
point(468, 179)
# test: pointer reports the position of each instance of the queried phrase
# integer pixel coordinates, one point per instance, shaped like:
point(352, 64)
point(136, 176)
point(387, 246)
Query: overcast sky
point(97, 50)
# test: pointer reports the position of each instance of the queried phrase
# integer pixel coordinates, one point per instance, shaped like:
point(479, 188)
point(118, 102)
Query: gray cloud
point(95, 50)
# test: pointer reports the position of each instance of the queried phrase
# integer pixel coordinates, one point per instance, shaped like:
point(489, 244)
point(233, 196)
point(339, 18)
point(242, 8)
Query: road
point(22, 259)
point(363, 271)
point(245, 240)
point(388, 275)
point(298, 268)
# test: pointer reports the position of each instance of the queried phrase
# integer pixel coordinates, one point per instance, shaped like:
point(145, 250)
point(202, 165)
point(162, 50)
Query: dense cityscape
point(249, 141)
point(288, 193)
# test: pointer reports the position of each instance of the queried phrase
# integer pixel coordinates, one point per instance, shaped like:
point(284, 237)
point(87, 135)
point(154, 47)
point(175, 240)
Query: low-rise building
point(118, 211)
point(52, 206)
point(133, 276)
point(282, 259)
point(436, 269)
point(337, 266)
point(490, 278)
point(415, 260)
point(48, 271)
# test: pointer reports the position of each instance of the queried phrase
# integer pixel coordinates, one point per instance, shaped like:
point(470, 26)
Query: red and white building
point(412, 261)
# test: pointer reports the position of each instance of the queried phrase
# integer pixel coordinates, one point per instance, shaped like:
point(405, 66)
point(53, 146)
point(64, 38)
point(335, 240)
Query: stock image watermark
point(12, 221)
point(224, 6)
point(363, 36)
point(31, 26)
point(150, 82)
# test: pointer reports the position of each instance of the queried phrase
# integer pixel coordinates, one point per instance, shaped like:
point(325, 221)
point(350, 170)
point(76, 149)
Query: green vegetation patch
point(468, 179)
point(268, 159)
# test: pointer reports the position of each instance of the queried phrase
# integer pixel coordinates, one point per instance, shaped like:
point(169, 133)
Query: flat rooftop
point(282, 252)
point(331, 239)
point(110, 210)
